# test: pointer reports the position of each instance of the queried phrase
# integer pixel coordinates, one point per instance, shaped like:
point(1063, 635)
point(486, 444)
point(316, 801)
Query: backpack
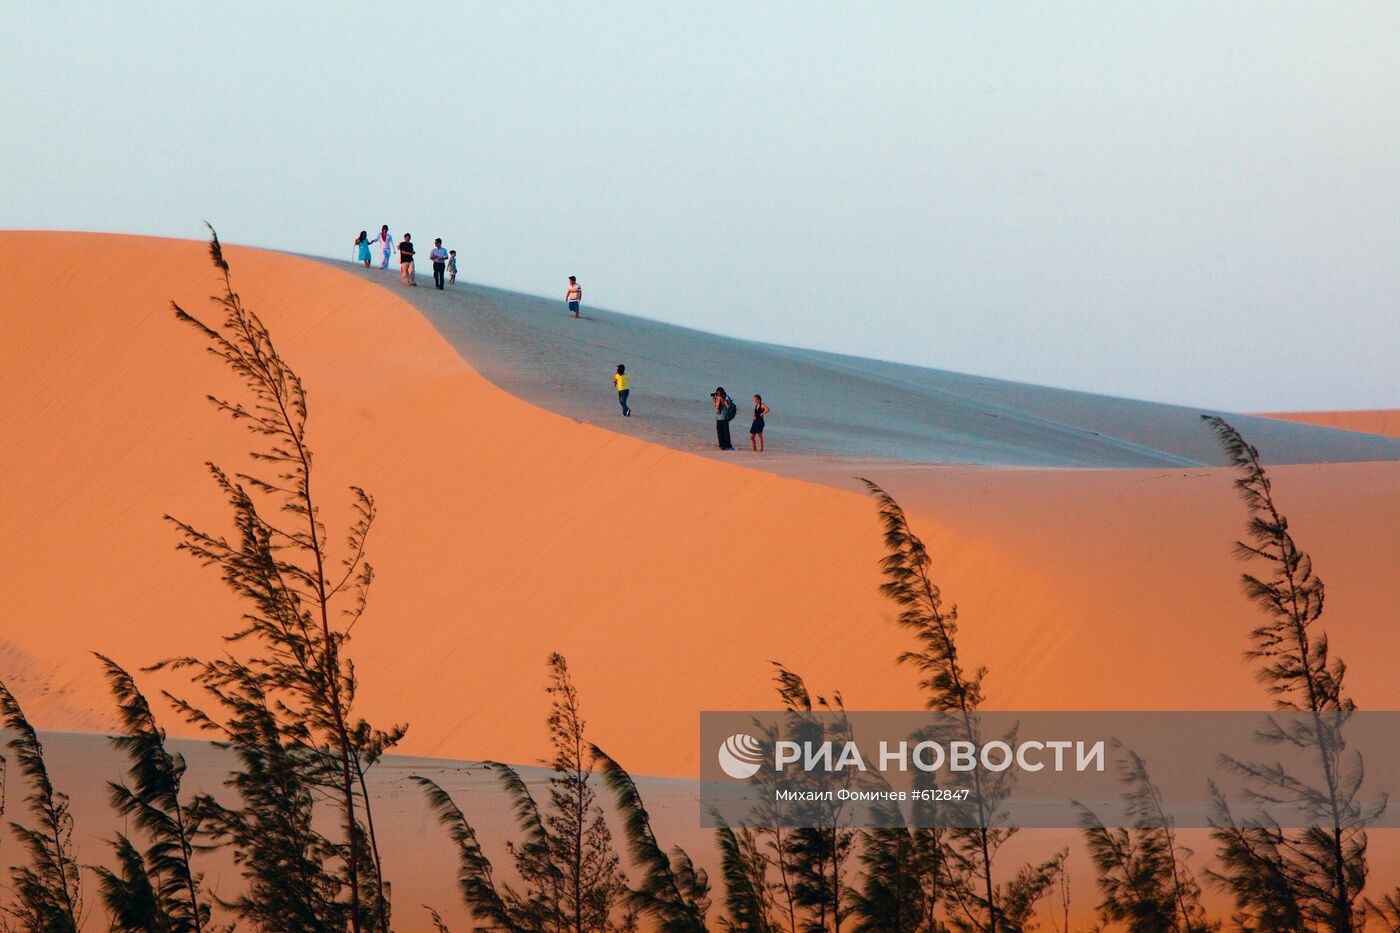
point(730, 409)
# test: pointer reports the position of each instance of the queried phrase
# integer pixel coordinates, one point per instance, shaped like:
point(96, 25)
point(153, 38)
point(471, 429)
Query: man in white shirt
point(574, 295)
point(439, 258)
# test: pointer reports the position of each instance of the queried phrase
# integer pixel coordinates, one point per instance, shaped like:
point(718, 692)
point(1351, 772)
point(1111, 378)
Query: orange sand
point(508, 532)
point(1377, 421)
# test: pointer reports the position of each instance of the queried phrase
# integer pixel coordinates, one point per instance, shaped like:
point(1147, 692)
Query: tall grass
point(47, 889)
point(1315, 876)
point(564, 858)
point(1144, 875)
point(159, 889)
point(295, 685)
point(961, 862)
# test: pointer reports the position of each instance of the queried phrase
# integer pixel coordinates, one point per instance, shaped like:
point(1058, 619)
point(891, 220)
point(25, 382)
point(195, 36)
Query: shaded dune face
point(826, 405)
point(507, 532)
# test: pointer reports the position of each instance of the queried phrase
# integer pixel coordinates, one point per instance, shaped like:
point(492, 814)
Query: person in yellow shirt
point(620, 381)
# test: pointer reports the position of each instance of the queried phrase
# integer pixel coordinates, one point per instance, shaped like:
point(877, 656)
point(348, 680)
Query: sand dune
point(507, 531)
point(824, 404)
point(1385, 421)
point(668, 579)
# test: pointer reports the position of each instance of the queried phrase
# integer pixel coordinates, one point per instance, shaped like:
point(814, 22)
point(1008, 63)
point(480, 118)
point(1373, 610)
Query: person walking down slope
point(574, 295)
point(756, 429)
point(439, 257)
point(623, 389)
point(725, 410)
point(406, 260)
point(386, 244)
point(451, 266)
point(362, 248)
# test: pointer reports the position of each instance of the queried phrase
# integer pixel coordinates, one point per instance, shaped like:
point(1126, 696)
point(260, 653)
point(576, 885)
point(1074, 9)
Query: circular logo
point(741, 756)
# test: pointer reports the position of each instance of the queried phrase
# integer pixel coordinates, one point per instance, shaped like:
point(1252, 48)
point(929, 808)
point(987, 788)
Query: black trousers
point(722, 433)
point(439, 273)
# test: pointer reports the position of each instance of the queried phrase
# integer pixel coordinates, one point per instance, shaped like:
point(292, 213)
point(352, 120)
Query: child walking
point(451, 266)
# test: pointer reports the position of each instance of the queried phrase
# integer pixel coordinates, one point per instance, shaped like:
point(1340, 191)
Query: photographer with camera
point(725, 410)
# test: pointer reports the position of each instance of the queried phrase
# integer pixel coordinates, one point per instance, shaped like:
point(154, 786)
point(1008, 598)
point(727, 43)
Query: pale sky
point(1186, 202)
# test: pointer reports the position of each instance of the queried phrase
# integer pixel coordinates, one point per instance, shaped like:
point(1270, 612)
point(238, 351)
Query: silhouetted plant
point(1314, 876)
point(1143, 873)
point(48, 889)
point(540, 905)
point(901, 875)
point(789, 857)
point(1254, 867)
point(1387, 910)
point(976, 901)
point(1060, 923)
point(168, 897)
point(748, 897)
point(771, 822)
point(436, 919)
point(905, 861)
point(579, 839)
point(283, 572)
point(133, 904)
point(1020, 895)
point(673, 892)
point(475, 875)
point(564, 857)
point(818, 841)
point(291, 885)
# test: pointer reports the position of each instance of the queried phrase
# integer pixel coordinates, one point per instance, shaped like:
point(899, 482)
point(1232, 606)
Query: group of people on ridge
point(444, 260)
point(726, 409)
point(445, 273)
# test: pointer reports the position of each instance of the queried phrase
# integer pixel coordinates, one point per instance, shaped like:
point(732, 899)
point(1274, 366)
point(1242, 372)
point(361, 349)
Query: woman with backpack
point(725, 410)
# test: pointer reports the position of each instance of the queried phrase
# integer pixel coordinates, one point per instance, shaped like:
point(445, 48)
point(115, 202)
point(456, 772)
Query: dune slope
point(824, 404)
point(1385, 421)
point(508, 531)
